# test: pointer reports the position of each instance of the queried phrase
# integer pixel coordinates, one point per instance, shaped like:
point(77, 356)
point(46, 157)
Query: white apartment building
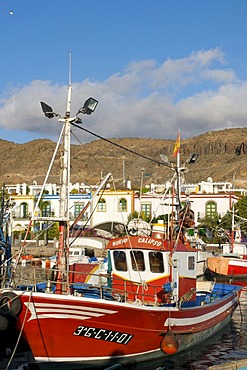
point(113, 207)
point(201, 204)
point(108, 208)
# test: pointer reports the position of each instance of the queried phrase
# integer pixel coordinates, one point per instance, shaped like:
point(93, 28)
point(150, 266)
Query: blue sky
point(156, 66)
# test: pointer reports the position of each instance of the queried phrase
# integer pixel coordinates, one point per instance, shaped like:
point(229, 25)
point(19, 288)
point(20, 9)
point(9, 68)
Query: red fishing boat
point(151, 307)
point(150, 290)
point(231, 266)
point(148, 304)
point(232, 262)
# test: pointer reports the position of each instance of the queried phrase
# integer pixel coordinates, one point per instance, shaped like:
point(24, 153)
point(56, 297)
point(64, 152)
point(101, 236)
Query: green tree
point(226, 221)
point(135, 214)
point(208, 229)
point(53, 231)
point(160, 217)
point(241, 207)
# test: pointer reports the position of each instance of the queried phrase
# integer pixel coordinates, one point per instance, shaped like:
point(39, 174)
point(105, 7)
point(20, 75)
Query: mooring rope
point(20, 334)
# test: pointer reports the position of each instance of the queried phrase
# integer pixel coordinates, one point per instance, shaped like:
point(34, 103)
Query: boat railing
point(135, 292)
point(39, 279)
point(100, 285)
point(138, 292)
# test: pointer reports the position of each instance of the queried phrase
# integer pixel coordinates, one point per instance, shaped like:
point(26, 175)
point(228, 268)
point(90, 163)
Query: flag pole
point(178, 181)
point(177, 153)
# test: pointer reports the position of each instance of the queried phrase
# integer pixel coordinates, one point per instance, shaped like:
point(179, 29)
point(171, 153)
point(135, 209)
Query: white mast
point(63, 219)
point(178, 192)
point(65, 157)
point(178, 170)
point(63, 244)
point(124, 177)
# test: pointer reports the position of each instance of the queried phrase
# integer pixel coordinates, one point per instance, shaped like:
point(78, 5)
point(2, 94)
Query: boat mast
point(65, 157)
point(62, 258)
point(63, 219)
point(5, 236)
point(232, 231)
point(178, 185)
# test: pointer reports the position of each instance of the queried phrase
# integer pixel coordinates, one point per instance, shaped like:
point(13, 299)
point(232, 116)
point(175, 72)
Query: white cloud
point(219, 76)
point(196, 94)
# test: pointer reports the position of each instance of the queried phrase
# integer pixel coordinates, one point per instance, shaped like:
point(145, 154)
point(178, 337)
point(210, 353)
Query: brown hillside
point(222, 156)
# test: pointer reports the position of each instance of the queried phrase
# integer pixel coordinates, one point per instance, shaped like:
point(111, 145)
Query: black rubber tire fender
point(4, 323)
point(10, 304)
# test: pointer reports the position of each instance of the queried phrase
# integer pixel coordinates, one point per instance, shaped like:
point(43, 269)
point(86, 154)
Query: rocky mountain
point(222, 156)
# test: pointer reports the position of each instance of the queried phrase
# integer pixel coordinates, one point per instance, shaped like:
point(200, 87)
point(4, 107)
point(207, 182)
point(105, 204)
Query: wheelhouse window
point(191, 263)
point(120, 262)
point(137, 260)
point(122, 205)
point(101, 205)
point(156, 262)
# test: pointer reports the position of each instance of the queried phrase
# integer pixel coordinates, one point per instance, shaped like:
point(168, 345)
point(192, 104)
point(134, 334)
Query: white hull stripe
point(57, 311)
point(86, 359)
point(240, 263)
point(61, 316)
point(82, 308)
point(198, 319)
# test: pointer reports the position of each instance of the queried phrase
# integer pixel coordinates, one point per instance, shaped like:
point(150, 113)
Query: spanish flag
point(177, 146)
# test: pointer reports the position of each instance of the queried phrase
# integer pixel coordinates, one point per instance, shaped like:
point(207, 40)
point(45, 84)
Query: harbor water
point(227, 349)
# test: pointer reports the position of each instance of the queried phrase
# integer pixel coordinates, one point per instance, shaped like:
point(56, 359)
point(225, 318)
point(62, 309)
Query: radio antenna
point(69, 89)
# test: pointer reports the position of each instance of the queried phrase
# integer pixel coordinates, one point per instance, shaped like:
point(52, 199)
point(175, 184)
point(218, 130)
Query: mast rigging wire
point(122, 147)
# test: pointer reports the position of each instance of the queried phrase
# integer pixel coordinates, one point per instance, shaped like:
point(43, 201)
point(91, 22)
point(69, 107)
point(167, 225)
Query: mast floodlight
point(47, 110)
point(165, 158)
point(77, 120)
point(193, 158)
point(166, 161)
point(89, 106)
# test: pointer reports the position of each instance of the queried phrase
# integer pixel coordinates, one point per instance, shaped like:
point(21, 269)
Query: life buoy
point(10, 304)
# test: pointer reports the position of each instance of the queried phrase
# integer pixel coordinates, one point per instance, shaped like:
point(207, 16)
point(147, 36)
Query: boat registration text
point(103, 334)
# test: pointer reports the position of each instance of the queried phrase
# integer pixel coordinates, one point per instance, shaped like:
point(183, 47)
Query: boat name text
point(103, 334)
point(121, 241)
point(140, 241)
point(149, 241)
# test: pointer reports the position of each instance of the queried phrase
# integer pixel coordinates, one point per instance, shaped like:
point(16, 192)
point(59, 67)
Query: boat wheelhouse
point(142, 266)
